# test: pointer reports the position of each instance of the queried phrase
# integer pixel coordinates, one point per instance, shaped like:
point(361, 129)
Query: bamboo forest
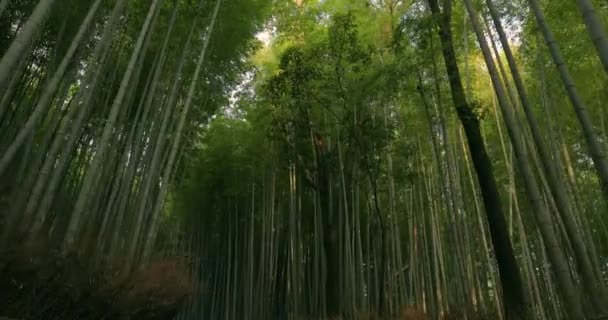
point(303, 159)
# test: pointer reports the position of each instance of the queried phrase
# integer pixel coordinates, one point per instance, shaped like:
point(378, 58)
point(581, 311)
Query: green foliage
point(329, 89)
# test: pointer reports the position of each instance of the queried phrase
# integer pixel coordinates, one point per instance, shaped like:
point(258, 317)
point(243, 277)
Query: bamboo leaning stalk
point(49, 90)
point(446, 190)
point(62, 148)
point(50, 159)
point(561, 197)
point(26, 35)
point(12, 103)
point(103, 144)
point(113, 200)
point(16, 82)
point(130, 152)
point(164, 188)
point(58, 141)
point(138, 166)
point(34, 164)
point(170, 106)
point(559, 261)
point(3, 6)
point(129, 180)
point(596, 151)
point(67, 136)
point(453, 175)
point(480, 222)
point(156, 156)
point(596, 30)
point(508, 269)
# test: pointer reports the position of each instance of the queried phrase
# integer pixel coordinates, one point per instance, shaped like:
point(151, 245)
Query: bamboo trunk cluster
point(334, 206)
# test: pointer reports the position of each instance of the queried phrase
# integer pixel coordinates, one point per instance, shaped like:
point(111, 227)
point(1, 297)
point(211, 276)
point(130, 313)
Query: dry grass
point(36, 283)
point(163, 283)
point(411, 312)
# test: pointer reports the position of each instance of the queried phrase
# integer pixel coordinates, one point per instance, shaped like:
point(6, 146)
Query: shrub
point(412, 313)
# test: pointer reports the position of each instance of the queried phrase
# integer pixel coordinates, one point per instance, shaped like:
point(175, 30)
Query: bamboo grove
point(307, 159)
